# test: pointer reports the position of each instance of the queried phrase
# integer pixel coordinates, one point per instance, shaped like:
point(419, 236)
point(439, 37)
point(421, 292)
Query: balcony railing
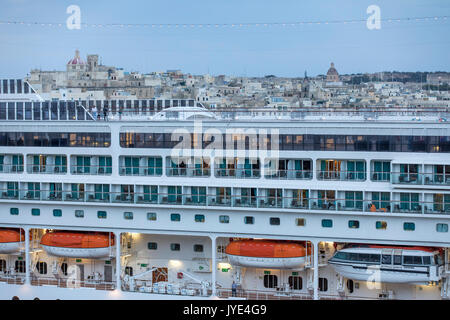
point(226, 200)
point(188, 172)
point(140, 171)
point(11, 168)
point(341, 175)
point(289, 174)
point(407, 178)
point(91, 170)
point(239, 173)
point(47, 169)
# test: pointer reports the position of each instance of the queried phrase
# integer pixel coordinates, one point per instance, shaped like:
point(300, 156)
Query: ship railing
point(12, 278)
point(91, 170)
point(188, 171)
point(276, 294)
point(46, 169)
point(288, 174)
point(407, 178)
point(371, 113)
point(341, 175)
point(140, 171)
point(268, 200)
point(238, 173)
point(73, 283)
point(11, 168)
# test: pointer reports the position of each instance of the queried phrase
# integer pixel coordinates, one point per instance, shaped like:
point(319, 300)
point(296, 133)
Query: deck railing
point(203, 198)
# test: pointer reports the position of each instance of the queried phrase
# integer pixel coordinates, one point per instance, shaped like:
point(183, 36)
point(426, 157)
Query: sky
point(285, 51)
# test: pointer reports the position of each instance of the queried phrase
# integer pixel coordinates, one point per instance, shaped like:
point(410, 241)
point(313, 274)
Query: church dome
point(76, 59)
point(332, 74)
point(332, 71)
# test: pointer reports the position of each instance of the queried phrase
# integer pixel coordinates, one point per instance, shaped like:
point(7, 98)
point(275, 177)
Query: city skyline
point(284, 51)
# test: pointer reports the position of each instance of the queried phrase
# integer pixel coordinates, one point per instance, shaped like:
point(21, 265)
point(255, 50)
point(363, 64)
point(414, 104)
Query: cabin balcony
point(433, 175)
point(437, 175)
point(245, 197)
point(98, 193)
point(239, 168)
point(407, 174)
point(140, 166)
point(288, 169)
point(380, 170)
point(9, 190)
point(220, 196)
point(146, 194)
point(190, 167)
point(52, 191)
point(341, 170)
point(46, 164)
point(91, 165)
point(11, 163)
point(30, 191)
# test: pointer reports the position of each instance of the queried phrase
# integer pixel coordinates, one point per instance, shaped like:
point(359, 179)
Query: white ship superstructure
point(115, 207)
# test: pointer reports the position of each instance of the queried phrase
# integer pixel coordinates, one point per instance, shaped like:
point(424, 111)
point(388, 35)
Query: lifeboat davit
point(11, 240)
point(267, 254)
point(78, 244)
point(390, 264)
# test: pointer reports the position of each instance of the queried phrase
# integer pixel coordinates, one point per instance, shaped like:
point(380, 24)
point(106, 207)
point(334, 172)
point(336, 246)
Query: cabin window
point(327, 223)
point(295, 282)
point(397, 260)
point(367, 257)
point(14, 211)
point(2, 265)
point(41, 267)
point(20, 266)
point(275, 221)
point(35, 212)
point(199, 218)
point(353, 224)
point(101, 214)
point(442, 227)
point(151, 216)
point(323, 284)
point(64, 268)
point(426, 260)
point(409, 226)
point(270, 281)
point(412, 260)
point(175, 217)
point(386, 259)
point(300, 222)
point(249, 220)
point(381, 225)
point(198, 248)
point(152, 246)
point(57, 212)
point(224, 219)
point(128, 215)
point(79, 213)
point(129, 271)
point(175, 246)
point(350, 285)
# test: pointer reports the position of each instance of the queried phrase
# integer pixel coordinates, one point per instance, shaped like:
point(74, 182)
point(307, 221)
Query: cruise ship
point(167, 199)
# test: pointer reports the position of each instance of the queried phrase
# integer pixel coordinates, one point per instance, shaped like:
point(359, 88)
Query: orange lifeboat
point(267, 254)
point(78, 244)
point(11, 240)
